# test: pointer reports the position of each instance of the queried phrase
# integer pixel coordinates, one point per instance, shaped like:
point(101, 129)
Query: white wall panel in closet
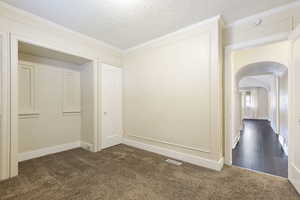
point(27, 89)
point(71, 92)
point(47, 88)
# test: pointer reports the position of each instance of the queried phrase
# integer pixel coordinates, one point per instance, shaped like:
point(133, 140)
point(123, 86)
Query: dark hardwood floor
point(260, 150)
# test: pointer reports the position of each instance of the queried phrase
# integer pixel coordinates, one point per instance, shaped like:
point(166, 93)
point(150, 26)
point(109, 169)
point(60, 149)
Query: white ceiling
point(264, 81)
point(126, 23)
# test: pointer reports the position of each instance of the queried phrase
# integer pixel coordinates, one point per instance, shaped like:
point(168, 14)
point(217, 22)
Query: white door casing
point(294, 107)
point(111, 105)
point(230, 91)
point(4, 109)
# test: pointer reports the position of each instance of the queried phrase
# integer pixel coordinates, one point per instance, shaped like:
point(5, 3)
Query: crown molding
point(18, 15)
point(266, 13)
point(180, 31)
point(258, 42)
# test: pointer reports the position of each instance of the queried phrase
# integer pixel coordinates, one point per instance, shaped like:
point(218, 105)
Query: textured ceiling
point(126, 23)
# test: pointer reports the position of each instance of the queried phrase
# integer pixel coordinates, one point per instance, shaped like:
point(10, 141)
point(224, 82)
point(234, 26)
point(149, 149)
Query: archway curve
point(252, 70)
point(259, 68)
point(230, 70)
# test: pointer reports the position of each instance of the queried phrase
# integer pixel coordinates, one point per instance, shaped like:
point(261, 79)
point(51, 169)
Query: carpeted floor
point(122, 172)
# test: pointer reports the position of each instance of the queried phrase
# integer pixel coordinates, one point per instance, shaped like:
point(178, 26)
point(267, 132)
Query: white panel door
point(111, 105)
point(294, 108)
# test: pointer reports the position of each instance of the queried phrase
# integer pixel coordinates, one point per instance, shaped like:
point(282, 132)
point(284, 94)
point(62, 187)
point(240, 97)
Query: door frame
point(229, 85)
point(14, 39)
point(5, 115)
point(294, 172)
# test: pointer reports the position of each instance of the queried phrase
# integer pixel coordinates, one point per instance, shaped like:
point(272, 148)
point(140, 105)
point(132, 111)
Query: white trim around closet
point(14, 39)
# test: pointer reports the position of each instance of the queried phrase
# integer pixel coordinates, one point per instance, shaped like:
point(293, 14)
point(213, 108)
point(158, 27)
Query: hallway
point(260, 150)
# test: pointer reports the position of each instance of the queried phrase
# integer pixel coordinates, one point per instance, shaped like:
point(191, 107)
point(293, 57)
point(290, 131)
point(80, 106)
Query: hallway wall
point(283, 82)
point(273, 103)
point(260, 105)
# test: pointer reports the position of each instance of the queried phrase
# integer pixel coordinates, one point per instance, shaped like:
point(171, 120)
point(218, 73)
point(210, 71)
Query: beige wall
point(172, 92)
point(87, 102)
point(260, 105)
point(276, 52)
point(2, 138)
point(4, 110)
point(51, 126)
point(283, 84)
point(273, 104)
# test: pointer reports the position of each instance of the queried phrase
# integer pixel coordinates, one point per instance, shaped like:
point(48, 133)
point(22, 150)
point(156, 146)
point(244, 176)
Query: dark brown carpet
point(122, 172)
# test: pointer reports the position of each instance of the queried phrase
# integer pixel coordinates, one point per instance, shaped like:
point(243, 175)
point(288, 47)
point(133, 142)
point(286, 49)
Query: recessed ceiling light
point(258, 22)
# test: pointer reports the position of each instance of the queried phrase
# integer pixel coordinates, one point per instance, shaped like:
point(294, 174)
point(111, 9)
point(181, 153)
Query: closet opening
point(53, 102)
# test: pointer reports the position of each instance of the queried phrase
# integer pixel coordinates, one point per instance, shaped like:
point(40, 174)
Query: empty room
point(149, 100)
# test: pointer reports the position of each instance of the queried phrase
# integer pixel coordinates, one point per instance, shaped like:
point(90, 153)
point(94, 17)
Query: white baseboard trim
point(87, 146)
point(235, 142)
point(274, 128)
point(294, 177)
point(258, 118)
point(286, 150)
point(112, 141)
point(228, 162)
point(283, 145)
point(47, 151)
point(196, 160)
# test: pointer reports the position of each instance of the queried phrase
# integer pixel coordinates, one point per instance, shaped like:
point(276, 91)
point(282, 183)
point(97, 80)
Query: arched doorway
point(259, 135)
point(292, 62)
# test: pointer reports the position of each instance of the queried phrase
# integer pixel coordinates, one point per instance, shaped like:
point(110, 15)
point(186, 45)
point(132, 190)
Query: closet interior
point(55, 101)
